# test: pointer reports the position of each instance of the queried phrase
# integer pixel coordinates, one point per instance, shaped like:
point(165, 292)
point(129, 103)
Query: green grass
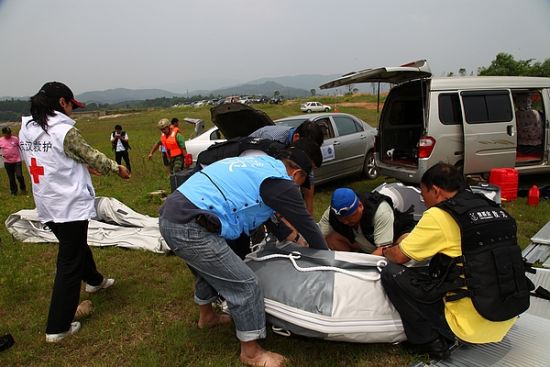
point(148, 318)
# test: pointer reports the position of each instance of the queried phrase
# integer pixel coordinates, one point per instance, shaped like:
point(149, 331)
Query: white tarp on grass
point(115, 225)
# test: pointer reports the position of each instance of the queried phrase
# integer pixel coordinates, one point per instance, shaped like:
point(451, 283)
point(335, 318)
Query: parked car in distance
point(314, 107)
point(276, 100)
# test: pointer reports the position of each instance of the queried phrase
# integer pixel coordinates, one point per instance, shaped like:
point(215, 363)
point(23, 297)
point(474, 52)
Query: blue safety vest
point(230, 189)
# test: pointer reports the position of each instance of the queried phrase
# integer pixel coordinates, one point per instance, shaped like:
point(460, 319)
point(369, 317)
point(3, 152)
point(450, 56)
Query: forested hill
point(113, 96)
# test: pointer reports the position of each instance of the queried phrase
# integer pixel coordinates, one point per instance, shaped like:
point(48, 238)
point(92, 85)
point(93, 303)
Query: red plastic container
point(507, 180)
point(534, 196)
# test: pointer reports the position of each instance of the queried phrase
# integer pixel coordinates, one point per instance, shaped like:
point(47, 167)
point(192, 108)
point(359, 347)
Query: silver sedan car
point(348, 147)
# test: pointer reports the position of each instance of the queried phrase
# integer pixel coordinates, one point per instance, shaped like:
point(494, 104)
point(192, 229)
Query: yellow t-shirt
point(438, 232)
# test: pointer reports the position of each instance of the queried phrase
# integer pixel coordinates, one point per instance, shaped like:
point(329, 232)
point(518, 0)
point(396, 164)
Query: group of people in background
point(232, 197)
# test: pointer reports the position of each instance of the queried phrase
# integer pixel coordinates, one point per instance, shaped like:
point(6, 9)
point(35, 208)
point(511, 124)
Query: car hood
point(237, 119)
point(397, 74)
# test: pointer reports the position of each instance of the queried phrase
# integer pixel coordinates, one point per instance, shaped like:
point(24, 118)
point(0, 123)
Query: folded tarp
point(115, 225)
point(325, 294)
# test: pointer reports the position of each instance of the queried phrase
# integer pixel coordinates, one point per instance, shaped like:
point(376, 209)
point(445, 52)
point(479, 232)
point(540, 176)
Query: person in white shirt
point(119, 141)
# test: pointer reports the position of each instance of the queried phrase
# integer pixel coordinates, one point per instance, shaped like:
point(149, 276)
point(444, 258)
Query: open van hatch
point(403, 117)
point(395, 75)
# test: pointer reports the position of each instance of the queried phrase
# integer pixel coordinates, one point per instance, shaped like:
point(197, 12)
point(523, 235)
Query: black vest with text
point(491, 266)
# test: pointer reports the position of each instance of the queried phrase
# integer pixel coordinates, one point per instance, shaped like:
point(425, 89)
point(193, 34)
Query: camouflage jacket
point(75, 147)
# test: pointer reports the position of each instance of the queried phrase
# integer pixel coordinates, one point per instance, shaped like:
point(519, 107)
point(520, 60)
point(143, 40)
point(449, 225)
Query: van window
point(449, 109)
point(487, 106)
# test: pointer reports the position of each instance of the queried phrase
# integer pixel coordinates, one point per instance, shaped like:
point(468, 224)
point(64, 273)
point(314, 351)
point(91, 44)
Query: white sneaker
point(54, 338)
point(106, 283)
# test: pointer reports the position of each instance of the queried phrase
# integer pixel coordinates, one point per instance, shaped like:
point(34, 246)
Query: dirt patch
point(366, 105)
point(117, 115)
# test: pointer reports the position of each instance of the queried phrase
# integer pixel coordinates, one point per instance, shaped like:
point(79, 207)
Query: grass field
point(148, 318)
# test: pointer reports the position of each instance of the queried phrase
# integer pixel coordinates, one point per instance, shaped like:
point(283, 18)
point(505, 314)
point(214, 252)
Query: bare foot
point(212, 320)
point(84, 309)
point(264, 359)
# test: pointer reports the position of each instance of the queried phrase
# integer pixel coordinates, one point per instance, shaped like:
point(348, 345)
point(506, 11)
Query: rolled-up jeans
point(219, 271)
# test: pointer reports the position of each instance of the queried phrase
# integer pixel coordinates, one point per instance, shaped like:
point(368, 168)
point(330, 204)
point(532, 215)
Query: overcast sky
point(182, 45)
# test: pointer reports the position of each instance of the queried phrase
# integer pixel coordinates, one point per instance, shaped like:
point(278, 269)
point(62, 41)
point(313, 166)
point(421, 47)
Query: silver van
point(475, 123)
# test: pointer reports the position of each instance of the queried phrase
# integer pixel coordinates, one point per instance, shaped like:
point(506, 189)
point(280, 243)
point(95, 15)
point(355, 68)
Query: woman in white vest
point(59, 161)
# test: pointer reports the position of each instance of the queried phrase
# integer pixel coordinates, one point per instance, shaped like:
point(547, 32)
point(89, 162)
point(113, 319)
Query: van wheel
point(370, 170)
point(308, 111)
point(327, 109)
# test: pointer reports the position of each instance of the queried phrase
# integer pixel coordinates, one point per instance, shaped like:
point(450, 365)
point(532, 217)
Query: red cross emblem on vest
point(36, 171)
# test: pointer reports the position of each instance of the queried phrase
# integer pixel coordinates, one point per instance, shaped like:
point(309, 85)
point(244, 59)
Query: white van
point(475, 123)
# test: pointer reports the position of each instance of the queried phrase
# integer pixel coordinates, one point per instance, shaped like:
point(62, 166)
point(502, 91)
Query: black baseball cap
point(57, 90)
point(299, 157)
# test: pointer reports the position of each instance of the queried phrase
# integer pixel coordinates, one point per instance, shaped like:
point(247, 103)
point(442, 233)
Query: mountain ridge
point(291, 86)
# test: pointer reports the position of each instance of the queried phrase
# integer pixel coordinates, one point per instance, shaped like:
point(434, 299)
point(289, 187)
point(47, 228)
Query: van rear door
point(490, 138)
point(395, 75)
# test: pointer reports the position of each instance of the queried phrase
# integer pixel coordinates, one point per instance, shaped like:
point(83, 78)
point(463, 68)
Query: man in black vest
point(475, 286)
point(367, 224)
point(119, 141)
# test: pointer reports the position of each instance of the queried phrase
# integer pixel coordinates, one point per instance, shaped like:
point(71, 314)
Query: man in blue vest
point(225, 199)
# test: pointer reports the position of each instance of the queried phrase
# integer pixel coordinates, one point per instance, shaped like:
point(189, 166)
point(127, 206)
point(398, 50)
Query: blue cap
point(344, 202)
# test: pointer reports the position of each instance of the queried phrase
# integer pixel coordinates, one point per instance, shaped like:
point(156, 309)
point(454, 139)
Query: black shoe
point(6, 341)
point(439, 348)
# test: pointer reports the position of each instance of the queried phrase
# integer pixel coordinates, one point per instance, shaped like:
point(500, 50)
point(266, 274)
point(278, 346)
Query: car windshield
point(292, 123)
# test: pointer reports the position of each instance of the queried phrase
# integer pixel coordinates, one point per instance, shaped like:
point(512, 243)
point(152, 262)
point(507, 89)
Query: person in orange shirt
point(174, 144)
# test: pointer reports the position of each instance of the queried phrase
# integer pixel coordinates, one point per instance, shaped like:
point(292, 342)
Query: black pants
point(75, 263)
point(14, 171)
point(124, 154)
point(423, 322)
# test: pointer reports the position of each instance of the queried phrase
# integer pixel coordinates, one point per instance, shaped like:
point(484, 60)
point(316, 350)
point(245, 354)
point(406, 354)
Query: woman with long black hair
point(59, 162)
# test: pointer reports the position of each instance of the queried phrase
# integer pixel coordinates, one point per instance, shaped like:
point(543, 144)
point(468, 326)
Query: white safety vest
point(62, 187)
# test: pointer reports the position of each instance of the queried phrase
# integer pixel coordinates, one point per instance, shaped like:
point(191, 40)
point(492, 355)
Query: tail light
point(426, 145)
point(188, 160)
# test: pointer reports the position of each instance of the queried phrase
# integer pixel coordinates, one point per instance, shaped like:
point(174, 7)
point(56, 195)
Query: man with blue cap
point(354, 224)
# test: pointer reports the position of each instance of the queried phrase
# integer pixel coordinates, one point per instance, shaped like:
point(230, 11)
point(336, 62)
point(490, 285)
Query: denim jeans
point(219, 271)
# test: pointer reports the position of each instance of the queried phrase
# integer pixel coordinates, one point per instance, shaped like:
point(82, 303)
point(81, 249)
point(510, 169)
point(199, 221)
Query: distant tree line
point(505, 64)
point(13, 109)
